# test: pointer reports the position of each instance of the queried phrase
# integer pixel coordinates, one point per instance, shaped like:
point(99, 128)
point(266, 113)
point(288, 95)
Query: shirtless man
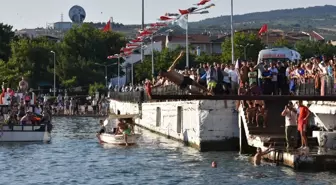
point(23, 84)
point(124, 129)
point(260, 153)
point(183, 81)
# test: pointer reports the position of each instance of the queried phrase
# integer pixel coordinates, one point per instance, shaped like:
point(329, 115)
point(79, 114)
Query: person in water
point(102, 127)
point(124, 129)
point(260, 153)
point(183, 81)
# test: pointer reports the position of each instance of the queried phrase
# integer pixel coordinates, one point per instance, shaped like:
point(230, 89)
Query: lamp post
point(105, 71)
point(232, 35)
point(247, 45)
point(152, 42)
point(187, 34)
point(53, 52)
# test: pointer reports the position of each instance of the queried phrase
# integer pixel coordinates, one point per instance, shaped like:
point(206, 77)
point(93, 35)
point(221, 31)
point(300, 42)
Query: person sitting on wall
point(260, 153)
point(179, 79)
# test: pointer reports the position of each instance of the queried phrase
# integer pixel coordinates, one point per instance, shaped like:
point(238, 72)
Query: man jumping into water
point(183, 81)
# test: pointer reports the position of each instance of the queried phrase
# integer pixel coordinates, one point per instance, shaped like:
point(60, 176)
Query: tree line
point(79, 57)
point(83, 50)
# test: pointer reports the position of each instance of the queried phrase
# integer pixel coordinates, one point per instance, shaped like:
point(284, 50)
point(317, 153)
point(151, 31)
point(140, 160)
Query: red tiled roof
point(316, 36)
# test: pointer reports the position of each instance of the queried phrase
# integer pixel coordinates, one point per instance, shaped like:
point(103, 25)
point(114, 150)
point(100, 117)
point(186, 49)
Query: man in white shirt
point(290, 114)
point(274, 71)
point(233, 75)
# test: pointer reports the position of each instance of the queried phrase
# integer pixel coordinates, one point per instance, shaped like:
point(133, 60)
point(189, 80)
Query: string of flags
point(181, 18)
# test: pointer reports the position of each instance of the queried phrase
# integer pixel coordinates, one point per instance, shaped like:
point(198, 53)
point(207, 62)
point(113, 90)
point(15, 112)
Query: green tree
point(93, 88)
point(162, 61)
point(6, 36)
point(206, 58)
point(309, 48)
point(282, 43)
point(31, 59)
point(81, 50)
point(242, 39)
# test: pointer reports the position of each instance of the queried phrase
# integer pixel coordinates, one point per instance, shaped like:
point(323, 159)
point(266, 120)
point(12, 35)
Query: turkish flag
point(165, 18)
point(203, 2)
point(107, 27)
point(189, 10)
point(263, 29)
point(145, 32)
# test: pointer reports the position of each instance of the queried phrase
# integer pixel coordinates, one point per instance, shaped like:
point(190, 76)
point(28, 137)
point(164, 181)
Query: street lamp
point(53, 52)
point(105, 70)
point(232, 35)
point(247, 45)
point(118, 56)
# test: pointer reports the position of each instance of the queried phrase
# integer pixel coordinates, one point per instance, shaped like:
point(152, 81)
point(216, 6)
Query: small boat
point(25, 133)
point(118, 139)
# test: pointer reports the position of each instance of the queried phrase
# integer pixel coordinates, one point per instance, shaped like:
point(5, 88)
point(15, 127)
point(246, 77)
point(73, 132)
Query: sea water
point(74, 157)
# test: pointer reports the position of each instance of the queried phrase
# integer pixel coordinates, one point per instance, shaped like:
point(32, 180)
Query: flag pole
point(187, 42)
point(142, 27)
point(118, 71)
point(152, 38)
point(111, 19)
point(232, 35)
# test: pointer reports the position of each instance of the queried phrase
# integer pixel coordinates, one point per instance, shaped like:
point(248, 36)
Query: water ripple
point(74, 157)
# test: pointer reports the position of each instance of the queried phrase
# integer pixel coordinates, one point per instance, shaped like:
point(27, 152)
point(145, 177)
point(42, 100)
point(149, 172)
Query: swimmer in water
point(260, 153)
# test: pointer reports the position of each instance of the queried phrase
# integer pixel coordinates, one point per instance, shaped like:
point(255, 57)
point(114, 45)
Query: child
point(251, 113)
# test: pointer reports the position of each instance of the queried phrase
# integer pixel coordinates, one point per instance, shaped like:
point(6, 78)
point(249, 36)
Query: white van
point(278, 54)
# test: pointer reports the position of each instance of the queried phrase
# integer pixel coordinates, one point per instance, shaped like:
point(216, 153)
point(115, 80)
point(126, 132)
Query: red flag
point(165, 18)
point(107, 27)
point(189, 10)
point(203, 2)
point(263, 29)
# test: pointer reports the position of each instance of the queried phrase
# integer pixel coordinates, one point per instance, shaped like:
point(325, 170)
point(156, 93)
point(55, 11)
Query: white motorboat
point(118, 139)
point(25, 133)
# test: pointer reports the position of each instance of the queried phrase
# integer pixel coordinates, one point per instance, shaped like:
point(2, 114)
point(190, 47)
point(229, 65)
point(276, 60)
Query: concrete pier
point(206, 125)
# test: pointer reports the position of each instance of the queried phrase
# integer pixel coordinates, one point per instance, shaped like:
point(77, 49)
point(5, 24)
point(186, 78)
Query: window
point(158, 116)
point(179, 119)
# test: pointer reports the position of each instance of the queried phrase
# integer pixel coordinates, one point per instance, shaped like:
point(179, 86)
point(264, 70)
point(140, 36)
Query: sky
point(38, 13)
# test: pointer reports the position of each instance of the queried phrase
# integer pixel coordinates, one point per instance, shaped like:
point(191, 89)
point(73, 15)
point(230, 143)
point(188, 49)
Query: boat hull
point(24, 134)
point(118, 139)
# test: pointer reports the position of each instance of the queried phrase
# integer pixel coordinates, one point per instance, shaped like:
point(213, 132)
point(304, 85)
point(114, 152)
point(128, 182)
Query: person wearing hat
point(26, 119)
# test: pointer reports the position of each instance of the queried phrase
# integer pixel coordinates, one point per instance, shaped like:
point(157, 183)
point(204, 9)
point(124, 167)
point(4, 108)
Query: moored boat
point(25, 133)
point(112, 135)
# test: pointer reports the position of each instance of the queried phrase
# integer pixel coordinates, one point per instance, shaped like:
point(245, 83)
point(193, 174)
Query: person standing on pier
point(302, 124)
point(290, 115)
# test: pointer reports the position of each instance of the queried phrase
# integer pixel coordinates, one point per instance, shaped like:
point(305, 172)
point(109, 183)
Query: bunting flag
point(183, 22)
point(130, 45)
point(172, 14)
point(204, 8)
point(263, 29)
point(107, 27)
point(202, 2)
point(145, 33)
point(187, 11)
point(166, 18)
